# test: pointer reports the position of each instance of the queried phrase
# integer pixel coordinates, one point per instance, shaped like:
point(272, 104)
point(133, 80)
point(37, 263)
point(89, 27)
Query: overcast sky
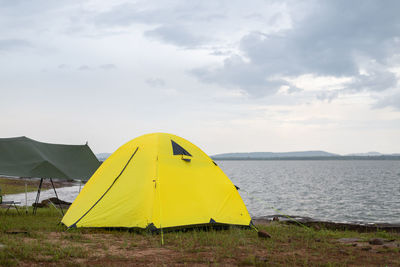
point(229, 76)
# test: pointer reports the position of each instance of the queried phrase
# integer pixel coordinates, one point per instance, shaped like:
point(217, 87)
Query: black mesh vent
point(178, 150)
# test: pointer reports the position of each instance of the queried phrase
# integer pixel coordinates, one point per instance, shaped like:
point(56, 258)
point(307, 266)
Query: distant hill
point(267, 155)
point(372, 153)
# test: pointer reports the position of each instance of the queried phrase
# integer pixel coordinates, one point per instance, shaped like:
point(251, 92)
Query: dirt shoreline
point(318, 224)
point(13, 185)
point(57, 182)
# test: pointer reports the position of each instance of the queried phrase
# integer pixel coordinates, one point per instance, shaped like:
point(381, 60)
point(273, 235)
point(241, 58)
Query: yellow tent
point(157, 181)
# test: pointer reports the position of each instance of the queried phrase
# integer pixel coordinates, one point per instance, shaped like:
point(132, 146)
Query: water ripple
point(351, 191)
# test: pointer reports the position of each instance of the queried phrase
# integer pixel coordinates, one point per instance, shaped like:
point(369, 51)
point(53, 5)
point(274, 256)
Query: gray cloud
point(108, 67)
point(190, 24)
point(63, 66)
point(218, 52)
point(176, 35)
point(127, 14)
point(155, 82)
point(376, 81)
point(156, 13)
point(328, 96)
point(328, 42)
point(173, 25)
point(389, 101)
point(11, 44)
point(84, 68)
point(238, 74)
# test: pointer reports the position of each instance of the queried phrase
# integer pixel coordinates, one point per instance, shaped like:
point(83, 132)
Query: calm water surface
point(341, 191)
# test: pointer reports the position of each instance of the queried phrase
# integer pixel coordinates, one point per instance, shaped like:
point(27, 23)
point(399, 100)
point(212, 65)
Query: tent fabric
point(144, 185)
point(24, 157)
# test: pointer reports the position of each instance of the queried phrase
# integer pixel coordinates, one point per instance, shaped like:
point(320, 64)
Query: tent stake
point(59, 204)
point(37, 196)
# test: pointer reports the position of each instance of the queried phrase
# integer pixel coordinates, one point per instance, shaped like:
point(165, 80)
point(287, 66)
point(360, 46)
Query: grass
point(15, 186)
point(46, 242)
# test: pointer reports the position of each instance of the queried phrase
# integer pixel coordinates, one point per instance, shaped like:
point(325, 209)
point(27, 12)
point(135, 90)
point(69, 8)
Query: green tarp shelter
point(24, 157)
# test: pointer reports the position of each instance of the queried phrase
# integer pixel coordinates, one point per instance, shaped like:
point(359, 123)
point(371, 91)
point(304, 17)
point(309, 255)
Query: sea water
point(337, 190)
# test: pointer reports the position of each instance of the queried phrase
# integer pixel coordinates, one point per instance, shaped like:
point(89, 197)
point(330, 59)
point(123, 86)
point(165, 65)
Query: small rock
point(46, 203)
point(349, 240)
point(2, 246)
point(366, 248)
point(39, 205)
point(376, 241)
point(317, 227)
point(263, 234)
point(16, 232)
point(260, 259)
point(55, 201)
point(389, 245)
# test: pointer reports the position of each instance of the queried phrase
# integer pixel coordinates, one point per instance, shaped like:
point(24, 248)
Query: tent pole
point(59, 204)
point(37, 196)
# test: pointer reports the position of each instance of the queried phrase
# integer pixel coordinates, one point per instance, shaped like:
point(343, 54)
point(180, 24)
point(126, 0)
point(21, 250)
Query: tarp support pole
point(59, 204)
point(26, 197)
point(37, 196)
